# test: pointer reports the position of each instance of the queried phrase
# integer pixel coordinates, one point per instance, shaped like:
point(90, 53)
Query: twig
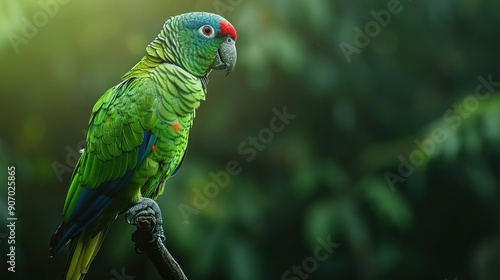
point(145, 242)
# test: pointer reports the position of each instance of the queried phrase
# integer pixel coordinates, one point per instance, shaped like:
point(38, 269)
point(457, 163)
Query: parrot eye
point(207, 31)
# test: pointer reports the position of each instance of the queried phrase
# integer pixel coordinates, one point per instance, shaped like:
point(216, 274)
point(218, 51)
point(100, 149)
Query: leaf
point(321, 219)
point(389, 206)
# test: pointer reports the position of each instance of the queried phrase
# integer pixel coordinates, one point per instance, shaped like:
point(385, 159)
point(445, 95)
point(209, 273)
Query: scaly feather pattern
point(138, 133)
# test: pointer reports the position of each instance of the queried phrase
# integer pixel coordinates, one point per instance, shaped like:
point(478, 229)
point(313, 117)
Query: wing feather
point(118, 140)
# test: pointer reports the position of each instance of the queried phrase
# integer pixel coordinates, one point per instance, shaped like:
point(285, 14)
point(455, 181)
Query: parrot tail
point(81, 254)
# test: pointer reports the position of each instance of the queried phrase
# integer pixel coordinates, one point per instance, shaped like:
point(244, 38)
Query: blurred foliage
point(324, 175)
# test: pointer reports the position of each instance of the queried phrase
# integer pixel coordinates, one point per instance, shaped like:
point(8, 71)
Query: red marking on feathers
point(227, 29)
point(153, 148)
point(176, 127)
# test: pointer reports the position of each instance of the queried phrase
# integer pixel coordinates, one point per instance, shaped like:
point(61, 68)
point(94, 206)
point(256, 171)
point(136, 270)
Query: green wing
point(118, 140)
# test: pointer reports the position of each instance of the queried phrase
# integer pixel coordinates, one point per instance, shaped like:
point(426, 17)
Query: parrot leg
point(146, 207)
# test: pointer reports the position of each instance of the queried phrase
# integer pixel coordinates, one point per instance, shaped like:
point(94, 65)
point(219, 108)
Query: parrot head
point(202, 42)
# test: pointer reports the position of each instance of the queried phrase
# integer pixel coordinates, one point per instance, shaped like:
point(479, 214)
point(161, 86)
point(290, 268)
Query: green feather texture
point(138, 131)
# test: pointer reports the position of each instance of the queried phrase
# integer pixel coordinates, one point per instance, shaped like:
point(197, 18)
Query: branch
point(146, 242)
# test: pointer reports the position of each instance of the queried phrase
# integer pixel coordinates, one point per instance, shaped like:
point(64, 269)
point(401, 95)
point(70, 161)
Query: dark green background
point(322, 176)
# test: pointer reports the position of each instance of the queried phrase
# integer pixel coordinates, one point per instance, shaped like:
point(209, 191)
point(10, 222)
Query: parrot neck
point(143, 67)
point(163, 49)
point(157, 52)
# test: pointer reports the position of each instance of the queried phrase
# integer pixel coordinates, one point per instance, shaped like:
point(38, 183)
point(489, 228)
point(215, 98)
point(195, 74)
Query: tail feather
point(81, 254)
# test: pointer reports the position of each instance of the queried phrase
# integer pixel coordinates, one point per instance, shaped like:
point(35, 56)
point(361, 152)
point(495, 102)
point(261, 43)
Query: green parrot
point(138, 132)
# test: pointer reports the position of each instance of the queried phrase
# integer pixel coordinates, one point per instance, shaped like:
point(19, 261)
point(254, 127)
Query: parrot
point(138, 132)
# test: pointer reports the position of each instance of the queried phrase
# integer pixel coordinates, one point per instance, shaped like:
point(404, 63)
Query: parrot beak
point(226, 56)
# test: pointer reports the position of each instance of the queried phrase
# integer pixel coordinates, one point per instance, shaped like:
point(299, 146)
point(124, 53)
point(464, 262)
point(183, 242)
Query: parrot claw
point(146, 207)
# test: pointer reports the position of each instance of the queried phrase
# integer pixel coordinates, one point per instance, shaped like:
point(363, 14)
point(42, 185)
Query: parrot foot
point(146, 207)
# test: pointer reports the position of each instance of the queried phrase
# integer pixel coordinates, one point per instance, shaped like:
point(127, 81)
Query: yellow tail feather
point(81, 254)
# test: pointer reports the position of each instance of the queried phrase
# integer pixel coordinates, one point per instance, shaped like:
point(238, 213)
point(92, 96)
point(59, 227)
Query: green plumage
point(138, 131)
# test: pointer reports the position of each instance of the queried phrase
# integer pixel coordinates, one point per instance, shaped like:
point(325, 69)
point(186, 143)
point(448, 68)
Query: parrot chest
point(177, 95)
point(166, 155)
